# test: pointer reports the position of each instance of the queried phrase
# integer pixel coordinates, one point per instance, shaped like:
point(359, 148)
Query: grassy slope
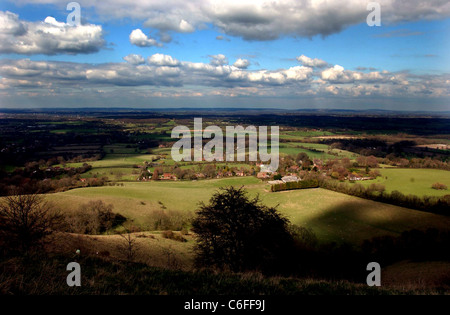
point(332, 216)
point(150, 248)
point(413, 181)
point(290, 148)
point(46, 275)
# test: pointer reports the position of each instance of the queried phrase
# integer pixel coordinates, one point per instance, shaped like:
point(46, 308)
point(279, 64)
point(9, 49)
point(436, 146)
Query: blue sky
point(403, 64)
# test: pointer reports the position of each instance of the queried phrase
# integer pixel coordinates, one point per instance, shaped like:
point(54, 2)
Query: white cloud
point(163, 60)
point(241, 63)
point(218, 60)
point(309, 62)
point(138, 38)
point(168, 21)
point(333, 74)
point(49, 37)
point(263, 20)
point(51, 20)
point(169, 74)
point(134, 59)
point(338, 75)
point(10, 24)
point(298, 73)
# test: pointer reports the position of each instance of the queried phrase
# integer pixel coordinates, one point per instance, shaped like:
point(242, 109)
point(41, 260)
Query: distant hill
point(228, 110)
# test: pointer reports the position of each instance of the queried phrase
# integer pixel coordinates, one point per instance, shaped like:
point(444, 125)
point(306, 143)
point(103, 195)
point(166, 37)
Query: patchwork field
point(121, 161)
point(332, 216)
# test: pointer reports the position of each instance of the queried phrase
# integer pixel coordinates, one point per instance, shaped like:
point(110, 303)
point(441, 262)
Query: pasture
point(412, 181)
point(334, 217)
point(315, 150)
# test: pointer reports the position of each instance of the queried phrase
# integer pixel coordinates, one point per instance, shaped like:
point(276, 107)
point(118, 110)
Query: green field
point(121, 160)
point(306, 133)
point(120, 163)
point(332, 216)
point(294, 149)
point(412, 181)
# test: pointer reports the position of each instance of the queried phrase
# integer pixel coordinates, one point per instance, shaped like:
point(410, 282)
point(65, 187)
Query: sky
point(286, 54)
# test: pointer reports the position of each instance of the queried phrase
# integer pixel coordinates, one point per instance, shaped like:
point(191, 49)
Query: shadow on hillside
point(354, 222)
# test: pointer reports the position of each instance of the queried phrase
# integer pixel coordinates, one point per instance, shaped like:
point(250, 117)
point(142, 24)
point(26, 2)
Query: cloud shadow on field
point(353, 222)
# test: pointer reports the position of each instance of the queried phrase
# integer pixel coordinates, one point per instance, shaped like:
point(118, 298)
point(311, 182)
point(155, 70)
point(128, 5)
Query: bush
point(172, 236)
point(94, 217)
point(238, 234)
point(168, 219)
point(303, 237)
point(439, 186)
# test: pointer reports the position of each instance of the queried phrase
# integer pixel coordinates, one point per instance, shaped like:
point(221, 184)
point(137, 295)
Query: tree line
point(376, 192)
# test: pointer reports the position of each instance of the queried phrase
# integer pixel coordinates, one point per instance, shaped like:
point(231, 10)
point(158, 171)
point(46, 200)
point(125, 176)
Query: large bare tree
point(26, 221)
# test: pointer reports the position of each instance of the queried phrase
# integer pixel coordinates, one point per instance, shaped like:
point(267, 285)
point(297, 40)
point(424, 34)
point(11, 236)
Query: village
point(291, 169)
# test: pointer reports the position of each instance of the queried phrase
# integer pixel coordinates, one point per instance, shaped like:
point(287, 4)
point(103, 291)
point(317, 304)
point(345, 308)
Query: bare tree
point(26, 221)
point(172, 261)
point(130, 245)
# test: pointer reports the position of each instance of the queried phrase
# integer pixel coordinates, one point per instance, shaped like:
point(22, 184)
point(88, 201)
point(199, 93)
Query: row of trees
point(435, 204)
point(374, 191)
point(33, 179)
point(303, 184)
point(427, 162)
point(208, 170)
point(31, 186)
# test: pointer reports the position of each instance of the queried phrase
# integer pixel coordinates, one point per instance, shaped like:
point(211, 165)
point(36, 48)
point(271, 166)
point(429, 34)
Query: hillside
point(46, 275)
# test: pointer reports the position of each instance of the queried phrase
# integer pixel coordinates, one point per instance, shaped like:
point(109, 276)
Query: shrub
point(172, 236)
point(94, 217)
point(303, 237)
point(238, 234)
point(174, 220)
point(439, 186)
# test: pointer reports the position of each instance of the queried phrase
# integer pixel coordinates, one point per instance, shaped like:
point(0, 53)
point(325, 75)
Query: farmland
point(332, 216)
point(126, 163)
point(412, 181)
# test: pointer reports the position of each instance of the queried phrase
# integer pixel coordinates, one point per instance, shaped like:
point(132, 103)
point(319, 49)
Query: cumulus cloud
point(138, 38)
point(169, 22)
point(241, 63)
point(134, 59)
point(165, 74)
point(10, 24)
point(218, 60)
point(309, 62)
point(264, 20)
point(49, 37)
point(337, 74)
point(163, 60)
